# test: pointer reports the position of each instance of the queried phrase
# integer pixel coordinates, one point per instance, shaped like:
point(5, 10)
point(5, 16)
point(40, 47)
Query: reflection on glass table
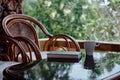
point(5, 64)
point(106, 66)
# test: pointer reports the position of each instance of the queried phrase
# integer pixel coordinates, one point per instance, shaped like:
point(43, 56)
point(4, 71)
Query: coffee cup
point(89, 47)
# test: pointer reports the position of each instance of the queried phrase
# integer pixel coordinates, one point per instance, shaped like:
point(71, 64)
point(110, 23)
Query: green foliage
point(58, 16)
point(78, 18)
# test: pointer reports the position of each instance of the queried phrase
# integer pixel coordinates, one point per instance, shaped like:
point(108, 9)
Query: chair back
point(61, 42)
point(23, 25)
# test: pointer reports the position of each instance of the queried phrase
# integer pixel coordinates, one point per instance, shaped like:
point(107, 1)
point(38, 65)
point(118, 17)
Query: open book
point(64, 56)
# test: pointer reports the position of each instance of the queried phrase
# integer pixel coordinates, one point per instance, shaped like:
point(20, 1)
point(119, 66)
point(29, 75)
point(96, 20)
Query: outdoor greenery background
point(83, 19)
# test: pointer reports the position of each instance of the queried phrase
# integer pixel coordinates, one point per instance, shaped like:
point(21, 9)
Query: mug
point(89, 47)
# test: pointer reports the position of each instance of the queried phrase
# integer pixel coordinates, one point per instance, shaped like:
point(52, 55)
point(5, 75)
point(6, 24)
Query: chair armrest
point(31, 46)
point(10, 53)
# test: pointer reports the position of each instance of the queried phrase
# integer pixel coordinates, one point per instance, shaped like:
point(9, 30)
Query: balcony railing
point(104, 46)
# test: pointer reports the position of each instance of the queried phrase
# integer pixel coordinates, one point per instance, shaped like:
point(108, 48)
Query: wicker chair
point(20, 29)
point(23, 26)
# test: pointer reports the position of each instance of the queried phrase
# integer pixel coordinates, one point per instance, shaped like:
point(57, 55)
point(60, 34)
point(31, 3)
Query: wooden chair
point(15, 25)
point(66, 43)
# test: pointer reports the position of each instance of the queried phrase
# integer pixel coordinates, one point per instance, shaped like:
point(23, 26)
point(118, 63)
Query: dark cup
point(89, 62)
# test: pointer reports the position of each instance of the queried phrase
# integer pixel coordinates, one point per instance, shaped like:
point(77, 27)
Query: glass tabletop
point(5, 64)
point(106, 64)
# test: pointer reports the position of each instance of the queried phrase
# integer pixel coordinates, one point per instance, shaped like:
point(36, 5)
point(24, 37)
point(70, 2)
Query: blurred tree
point(58, 16)
point(82, 19)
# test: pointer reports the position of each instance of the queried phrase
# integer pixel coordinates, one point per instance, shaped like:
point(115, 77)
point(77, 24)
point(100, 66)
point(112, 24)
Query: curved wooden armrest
point(13, 49)
point(55, 42)
point(30, 46)
point(16, 72)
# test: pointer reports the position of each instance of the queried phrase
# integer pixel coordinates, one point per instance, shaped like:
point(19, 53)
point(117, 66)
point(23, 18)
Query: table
point(107, 66)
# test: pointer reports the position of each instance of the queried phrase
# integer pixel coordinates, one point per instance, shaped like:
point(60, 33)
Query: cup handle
point(97, 44)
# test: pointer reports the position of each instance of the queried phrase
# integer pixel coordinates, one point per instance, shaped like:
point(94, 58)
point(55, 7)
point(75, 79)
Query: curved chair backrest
point(19, 27)
point(22, 25)
point(55, 43)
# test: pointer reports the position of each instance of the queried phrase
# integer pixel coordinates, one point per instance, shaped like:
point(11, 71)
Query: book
point(64, 56)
